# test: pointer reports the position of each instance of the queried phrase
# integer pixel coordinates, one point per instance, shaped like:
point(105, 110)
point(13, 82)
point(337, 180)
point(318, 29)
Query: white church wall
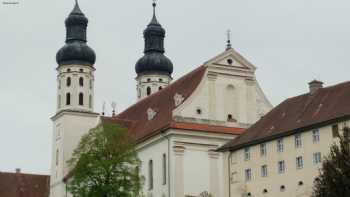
point(69, 127)
point(154, 149)
point(226, 90)
point(196, 166)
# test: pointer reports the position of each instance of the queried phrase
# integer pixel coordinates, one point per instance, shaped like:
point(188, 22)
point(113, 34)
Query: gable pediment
point(231, 59)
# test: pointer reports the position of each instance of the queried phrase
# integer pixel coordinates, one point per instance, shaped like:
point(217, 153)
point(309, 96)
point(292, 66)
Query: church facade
point(178, 125)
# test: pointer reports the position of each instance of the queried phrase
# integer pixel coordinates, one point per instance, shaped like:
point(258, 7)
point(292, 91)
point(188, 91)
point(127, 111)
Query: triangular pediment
point(231, 58)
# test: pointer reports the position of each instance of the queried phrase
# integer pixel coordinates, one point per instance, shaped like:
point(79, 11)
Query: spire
point(154, 59)
point(228, 45)
point(154, 34)
point(77, 9)
point(76, 50)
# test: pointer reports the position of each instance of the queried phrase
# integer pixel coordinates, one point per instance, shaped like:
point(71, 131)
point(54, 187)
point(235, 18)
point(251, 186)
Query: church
point(178, 124)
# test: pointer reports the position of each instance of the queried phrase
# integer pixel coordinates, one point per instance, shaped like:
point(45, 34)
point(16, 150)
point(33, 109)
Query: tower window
point(160, 88)
point(68, 70)
point(69, 81)
point(81, 99)
point(149, 80)
point(148, 91)
point(81, 81)
point(81, 70)
point(68, 99)
point(160, 80)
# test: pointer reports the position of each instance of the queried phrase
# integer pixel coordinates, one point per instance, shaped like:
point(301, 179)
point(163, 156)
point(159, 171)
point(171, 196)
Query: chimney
point(315, 85)
point(18, 170)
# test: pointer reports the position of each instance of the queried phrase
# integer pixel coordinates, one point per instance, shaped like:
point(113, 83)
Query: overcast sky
point(290, 41)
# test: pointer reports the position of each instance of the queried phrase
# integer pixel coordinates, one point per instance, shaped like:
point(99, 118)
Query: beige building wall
point(297, 182)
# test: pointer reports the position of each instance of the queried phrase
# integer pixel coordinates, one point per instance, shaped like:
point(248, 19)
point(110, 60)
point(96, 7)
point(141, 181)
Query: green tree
point(105, 164)
point(334, 178)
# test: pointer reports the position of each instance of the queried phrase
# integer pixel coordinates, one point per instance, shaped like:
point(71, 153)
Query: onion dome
point(76, 51)
point(154, 60)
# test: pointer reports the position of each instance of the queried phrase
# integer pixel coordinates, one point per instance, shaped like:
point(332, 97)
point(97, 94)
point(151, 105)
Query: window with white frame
point(263, 150)
point(281, 167)
point(248, 174)
point(246, 154)
point(297, 140)
point(264, 171)
point(317, 158)
point(280, 145)
point(316, 135)
point(299, 162)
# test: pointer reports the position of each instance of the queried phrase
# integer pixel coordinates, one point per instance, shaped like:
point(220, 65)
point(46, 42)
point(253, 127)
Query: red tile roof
point(24, 185)
point(162, 102)
point(297, 114)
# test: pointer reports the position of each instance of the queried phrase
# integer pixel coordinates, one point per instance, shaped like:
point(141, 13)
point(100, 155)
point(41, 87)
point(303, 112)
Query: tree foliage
point(334, 179)
point(105, 164)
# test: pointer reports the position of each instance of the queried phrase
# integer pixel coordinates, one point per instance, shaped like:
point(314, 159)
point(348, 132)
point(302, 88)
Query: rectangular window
point(297, 141)
point(280, 145)
point(317, 158)
point(299, 162)
point(263, 150)
point(150, 175)
point(264, 171)
point(315, 135)
point(248, 174)
point(246, 154)
point(335, 131)
point(164, 169)
point(281, 167)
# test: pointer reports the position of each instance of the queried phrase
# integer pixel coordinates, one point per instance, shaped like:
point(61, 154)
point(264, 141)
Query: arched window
point(81, 81)
point(69, 81)
point(230, 103)
point(150, 175)
point(68, 99)
point(81, 99)
point(148, 91)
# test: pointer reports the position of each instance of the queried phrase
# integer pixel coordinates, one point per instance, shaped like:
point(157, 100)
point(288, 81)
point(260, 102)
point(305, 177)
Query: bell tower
point(154, 69)
point(75, 98)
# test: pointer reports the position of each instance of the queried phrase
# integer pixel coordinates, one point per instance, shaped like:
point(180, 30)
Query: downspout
point(229, 174)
